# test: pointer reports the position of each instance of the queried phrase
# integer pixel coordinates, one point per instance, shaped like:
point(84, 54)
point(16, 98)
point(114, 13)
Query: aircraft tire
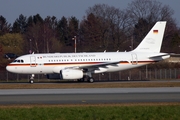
point(31, 81)
point(91, 80)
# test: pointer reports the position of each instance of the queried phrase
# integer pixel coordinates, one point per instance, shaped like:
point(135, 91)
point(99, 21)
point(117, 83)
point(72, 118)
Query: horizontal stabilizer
point(163, 55)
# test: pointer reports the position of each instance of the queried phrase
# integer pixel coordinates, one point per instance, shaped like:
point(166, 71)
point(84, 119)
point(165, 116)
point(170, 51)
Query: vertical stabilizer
point(153, 40)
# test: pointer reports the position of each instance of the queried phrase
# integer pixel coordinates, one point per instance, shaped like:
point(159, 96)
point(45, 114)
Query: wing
point(104, 64)
point(90, 67)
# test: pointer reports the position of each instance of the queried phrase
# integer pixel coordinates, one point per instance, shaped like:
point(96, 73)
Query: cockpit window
point(18, 61)
point(14, 61)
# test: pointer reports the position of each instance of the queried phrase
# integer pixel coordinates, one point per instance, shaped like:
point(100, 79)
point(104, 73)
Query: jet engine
point(67, 74)
point(71, 74)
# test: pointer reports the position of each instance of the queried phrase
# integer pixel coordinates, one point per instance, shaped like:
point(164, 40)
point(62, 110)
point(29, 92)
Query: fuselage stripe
point(80, 63)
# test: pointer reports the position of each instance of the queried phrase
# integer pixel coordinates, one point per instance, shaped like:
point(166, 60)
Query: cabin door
point(33, 61)
point(134, 59)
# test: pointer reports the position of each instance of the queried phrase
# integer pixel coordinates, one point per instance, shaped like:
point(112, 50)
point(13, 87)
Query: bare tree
point(33, 39)
point(150, 10)
point(41, 35)
point(143, 14)
point(104, 26)
point(49, 32)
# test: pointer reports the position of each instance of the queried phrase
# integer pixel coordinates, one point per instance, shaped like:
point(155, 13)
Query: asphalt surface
point(89, 95)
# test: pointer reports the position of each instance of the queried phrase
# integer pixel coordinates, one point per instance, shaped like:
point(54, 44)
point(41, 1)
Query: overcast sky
point(11, 9)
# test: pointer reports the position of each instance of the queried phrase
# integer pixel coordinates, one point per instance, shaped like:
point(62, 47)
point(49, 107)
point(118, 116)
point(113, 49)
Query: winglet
point(153, 40)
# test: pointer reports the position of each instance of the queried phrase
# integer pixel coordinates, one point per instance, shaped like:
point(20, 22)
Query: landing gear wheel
point(31, 81)
point(91, 80)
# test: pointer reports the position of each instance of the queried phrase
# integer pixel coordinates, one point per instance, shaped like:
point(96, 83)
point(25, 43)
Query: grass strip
point(92, 112)
point(89, 85)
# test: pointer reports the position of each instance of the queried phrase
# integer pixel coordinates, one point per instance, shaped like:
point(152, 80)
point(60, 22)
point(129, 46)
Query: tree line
point(102, 28)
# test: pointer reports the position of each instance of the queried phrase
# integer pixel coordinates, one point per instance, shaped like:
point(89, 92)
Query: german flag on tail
point(155, 31)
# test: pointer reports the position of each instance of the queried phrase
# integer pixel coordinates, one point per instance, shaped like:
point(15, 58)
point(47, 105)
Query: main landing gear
point(89, 79)
point(31, 80)
point(87, 76)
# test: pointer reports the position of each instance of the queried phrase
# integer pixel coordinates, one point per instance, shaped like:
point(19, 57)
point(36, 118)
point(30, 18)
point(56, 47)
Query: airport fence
point(133, 74)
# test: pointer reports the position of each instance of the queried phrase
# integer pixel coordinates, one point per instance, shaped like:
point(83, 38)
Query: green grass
point(132, 112)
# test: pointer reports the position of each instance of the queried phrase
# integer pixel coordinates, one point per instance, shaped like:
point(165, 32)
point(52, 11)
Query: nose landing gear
point(31, 80)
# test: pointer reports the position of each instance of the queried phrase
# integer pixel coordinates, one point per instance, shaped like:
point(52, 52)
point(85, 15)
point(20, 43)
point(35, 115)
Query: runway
point(89, 95)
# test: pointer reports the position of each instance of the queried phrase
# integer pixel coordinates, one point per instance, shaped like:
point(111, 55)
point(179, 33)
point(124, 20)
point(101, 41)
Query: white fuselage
point(53, 62)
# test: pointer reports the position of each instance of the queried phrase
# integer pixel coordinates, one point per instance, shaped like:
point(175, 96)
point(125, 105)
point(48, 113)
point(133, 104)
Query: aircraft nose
point(13, 69)
point(9, 68)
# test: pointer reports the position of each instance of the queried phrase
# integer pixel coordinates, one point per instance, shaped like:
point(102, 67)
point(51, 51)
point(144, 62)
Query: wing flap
point(101, 65)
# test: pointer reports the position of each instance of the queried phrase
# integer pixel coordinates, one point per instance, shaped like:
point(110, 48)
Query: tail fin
point(153, 40)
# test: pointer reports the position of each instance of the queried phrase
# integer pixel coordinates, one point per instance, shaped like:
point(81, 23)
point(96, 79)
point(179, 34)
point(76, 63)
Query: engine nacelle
point(71, 74)
point(66, 74)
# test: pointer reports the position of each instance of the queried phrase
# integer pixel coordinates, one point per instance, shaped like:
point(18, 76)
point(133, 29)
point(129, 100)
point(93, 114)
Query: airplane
point(71, 66)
